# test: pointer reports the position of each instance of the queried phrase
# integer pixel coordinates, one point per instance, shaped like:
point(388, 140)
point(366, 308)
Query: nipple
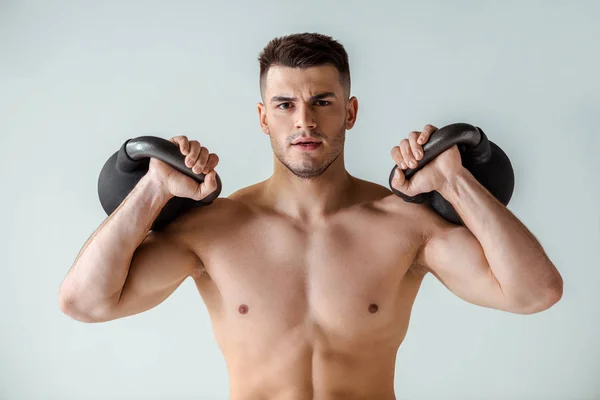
point(243, 309)
point(373, 308)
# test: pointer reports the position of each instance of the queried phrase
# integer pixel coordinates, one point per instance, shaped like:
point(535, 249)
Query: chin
point(308, 171)
point(307, 174)
point(305, 168)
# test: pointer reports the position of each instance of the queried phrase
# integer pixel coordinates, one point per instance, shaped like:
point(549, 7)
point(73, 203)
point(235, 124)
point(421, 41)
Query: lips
point(306, 141)
point(307, 146)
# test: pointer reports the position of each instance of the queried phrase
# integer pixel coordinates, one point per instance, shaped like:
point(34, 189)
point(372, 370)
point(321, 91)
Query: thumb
point(210, 183)
point(207, 187)
point(400, 183)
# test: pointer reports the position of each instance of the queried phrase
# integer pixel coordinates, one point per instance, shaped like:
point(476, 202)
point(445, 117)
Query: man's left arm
point(494, 260)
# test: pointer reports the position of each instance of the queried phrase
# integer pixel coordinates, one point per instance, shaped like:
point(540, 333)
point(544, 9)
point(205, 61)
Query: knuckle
point(211, 162)
point(178, 141)
point(203, 155)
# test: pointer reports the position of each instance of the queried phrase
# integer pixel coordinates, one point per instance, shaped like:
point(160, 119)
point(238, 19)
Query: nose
point(305, 118)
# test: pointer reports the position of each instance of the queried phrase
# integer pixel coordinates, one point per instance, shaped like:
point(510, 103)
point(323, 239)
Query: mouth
point(307, 145)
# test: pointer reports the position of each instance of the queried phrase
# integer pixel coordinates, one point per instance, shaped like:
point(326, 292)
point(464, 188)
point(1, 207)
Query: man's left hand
point(435, 175)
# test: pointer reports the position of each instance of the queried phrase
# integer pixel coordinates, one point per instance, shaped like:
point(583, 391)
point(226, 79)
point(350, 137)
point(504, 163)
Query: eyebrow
point(319, 96)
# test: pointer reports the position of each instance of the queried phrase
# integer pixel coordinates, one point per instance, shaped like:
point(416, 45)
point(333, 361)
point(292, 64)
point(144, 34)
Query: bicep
point(456, 258)
point(158, 267)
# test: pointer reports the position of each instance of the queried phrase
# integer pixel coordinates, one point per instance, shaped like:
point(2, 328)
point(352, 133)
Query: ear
point(262, 116)
point(351, 112)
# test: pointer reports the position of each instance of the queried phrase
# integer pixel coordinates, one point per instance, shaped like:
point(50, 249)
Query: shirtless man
point(309, 277)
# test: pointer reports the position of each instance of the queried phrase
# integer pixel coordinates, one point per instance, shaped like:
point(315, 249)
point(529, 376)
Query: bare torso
point(309, 311)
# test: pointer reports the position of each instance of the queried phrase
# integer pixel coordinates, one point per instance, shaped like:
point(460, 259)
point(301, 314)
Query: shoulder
point(366, 192)
point(200, 228)
point(223, 213)
point(417, 221)
point(433, 229)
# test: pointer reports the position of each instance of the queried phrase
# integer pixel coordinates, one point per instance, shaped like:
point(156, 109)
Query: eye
point(283, 106)
point(322, 103)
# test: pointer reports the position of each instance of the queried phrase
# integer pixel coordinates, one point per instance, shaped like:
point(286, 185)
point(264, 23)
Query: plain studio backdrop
point(78, 78)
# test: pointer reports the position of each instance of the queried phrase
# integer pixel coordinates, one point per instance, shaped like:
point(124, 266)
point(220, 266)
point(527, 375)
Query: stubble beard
point(308, 167)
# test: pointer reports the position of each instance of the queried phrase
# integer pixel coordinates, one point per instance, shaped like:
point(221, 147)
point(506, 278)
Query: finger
point(183, 143)
point(397, 157)
point(210, 182)
point(426, 133)
point(207, 187)
point(399, 178)
point(416, 148)
point(409, 158)
point(193, 154)
point(211, 164)
point(201, 162)
point(400, 183)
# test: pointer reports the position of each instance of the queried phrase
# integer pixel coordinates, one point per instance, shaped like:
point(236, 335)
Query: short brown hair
point(303, 50)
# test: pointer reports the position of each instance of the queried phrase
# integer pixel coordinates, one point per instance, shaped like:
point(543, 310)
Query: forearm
point(101, 267)
point(517, 260)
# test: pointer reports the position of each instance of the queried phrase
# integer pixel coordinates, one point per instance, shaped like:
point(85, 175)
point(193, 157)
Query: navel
point(373, 308)
point(243, 309)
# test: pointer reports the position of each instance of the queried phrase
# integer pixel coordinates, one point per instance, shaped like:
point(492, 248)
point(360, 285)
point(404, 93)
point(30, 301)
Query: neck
point(310, 200)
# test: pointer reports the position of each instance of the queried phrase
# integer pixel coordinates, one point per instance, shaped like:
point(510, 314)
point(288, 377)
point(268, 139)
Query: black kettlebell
point(124, 169)
point(483, 158)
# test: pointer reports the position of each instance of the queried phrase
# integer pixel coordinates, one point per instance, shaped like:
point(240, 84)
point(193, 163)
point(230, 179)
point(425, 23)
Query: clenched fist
point(199, 159)
point(434, 176)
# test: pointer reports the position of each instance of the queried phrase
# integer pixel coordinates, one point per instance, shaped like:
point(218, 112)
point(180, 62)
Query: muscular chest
point(345, 278)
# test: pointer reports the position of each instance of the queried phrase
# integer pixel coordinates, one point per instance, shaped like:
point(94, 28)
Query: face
point(306, 104)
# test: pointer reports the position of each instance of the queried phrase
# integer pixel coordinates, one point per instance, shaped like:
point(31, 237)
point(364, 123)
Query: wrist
point(451, 188)
point(156, 189)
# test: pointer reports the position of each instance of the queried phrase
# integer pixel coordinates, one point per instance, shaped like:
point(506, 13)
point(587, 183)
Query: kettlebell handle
point(141, 148)
point(473, 145)
point(468, 136)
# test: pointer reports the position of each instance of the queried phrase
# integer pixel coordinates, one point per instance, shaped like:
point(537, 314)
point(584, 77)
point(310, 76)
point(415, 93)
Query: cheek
point(337, 117)
point(279, 139)
point(279, 126)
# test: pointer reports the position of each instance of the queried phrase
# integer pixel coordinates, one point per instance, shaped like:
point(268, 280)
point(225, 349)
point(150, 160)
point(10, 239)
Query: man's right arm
point(122, 269)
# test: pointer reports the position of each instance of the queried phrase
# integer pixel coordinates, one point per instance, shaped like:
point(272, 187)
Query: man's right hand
point(198, 159)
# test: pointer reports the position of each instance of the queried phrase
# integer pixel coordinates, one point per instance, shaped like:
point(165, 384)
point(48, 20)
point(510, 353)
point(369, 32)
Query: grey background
point(77, 78)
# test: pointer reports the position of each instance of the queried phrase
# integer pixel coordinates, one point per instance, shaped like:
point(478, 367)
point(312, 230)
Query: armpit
point(418, 269)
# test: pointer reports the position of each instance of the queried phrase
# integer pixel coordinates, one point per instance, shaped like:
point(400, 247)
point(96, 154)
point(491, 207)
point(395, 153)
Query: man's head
point(305, 88)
